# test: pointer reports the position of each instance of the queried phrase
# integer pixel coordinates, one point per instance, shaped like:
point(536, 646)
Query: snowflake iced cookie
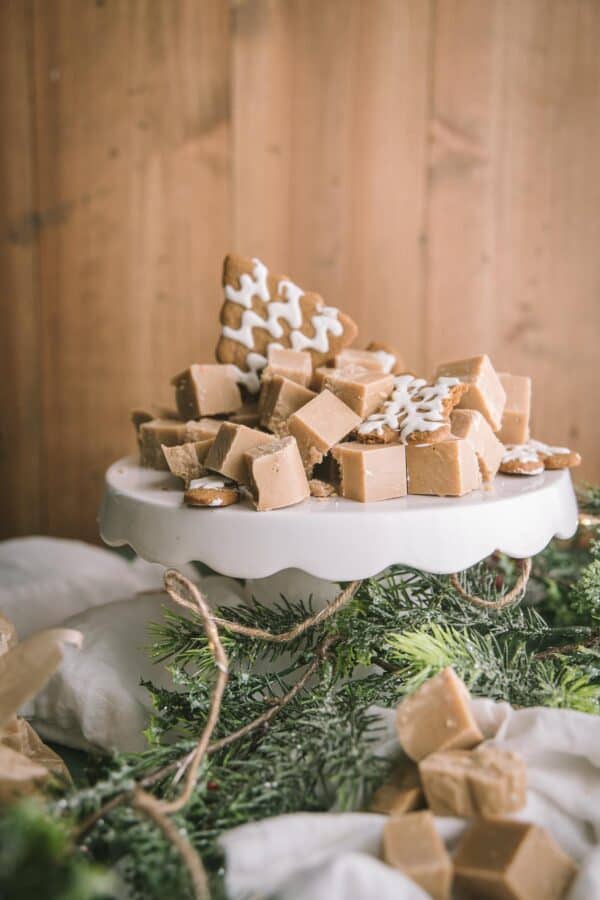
point(532, 458)
point(262, 309)
point(416, 412)
point(211, 491)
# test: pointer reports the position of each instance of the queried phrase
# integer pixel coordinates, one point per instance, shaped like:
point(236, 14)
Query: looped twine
point(509, 598)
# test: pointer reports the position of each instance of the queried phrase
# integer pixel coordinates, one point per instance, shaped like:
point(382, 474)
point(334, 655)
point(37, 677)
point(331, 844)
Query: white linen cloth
point(95, 701)
point(334, 856)
point(44, 580)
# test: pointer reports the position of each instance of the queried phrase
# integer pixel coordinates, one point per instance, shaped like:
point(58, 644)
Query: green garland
point(316, 753)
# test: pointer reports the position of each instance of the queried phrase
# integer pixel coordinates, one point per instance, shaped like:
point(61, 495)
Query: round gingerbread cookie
point(212, 491)
point(521, 459)
point(556, 457)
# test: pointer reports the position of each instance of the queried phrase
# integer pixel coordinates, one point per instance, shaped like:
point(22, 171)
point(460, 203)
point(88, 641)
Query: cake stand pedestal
point(335, 539)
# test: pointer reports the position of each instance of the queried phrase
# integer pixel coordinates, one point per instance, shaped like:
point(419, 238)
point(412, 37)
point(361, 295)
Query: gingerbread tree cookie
point(261, 309)
point(416, 412)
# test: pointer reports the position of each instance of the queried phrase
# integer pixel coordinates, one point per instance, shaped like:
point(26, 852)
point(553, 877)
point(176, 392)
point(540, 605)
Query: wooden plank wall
point(429, 165)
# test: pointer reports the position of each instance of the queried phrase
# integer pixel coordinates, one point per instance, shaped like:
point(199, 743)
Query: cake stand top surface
point(336, 539)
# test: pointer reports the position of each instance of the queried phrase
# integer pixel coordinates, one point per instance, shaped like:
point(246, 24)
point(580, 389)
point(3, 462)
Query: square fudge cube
point(437, 716)
point(515, 419)
point(280, 398)
point(205, 390)
point(487, 781)
point(411, 843)
point(323, 372)
point(293, 364)
point(510, 860)
point(203, 429)
point(371, 471)
point(155, 434)
point(276, 474)
point(374, 361)
point(364, 393)
point(246, 415)
point(320, 424)
point(444, 469)
point(226, 456)
point(470, 425)
point(485, 393)
point(186, 461)
point(402, 792)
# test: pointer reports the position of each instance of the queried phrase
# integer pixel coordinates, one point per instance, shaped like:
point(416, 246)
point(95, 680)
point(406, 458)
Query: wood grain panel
point(460, 236)
point(20, 370)
point(513, 204)
point(547, 215)
point(428, 165)
point(132, 119)
point(330, 104)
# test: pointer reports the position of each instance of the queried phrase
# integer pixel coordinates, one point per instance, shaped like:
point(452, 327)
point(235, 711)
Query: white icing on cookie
point(218, 501)
point(254, 285)
point(523, 453)
point(413, 406)
point(209, 483)
point(547, 450)
point(387, 360)
point(251, 379)
point(288, 309)
point(326, 321)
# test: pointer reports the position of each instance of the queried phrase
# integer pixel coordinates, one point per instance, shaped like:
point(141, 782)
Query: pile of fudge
point(447, 771)
point(289, 410)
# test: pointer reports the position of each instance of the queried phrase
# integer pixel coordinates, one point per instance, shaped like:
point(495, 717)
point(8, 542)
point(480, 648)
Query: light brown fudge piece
point(371, 471)
point(139, 416)
point(204, 428)
point(470, 425)
point(226, 455)
point(391, 359)
point(374, 360)
point(153, 434)
point(293, 364)
point(437, 717)
point(323, 372)
point(246, 415)
point(206, 390)
point(276, 474)
point(280, 398)
point(487, 781)
point(364, 393)
point(402, 792)
point(444, 469)
point(485, 392)
point(508, 860)
point(211, 491)
point(320, 424)
point(517, 410)
point(412, 844)
point(322, 489)
point(186, 461)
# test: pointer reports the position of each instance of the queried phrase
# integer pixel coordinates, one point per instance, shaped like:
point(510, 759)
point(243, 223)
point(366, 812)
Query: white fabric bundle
point(44, 580)
point(96, 701)
point(328, 856)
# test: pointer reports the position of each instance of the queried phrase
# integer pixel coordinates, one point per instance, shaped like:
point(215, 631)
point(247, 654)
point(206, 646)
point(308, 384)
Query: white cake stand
point(335, 539)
